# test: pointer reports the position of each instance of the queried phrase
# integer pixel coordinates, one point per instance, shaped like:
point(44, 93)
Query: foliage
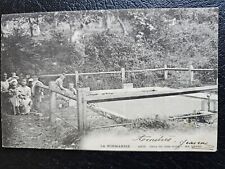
point(46, 43)
point(150, 123)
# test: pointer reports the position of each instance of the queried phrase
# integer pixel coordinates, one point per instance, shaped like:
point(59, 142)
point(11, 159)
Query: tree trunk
point(71, 32)
point(31, 27)
point(122, 25)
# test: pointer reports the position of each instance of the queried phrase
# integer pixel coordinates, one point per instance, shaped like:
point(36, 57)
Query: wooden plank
point(84, 102)
point(191, 74)
point(82, 109)
point(165, 72)
point(167, 68)
point(79, 110)
point(52, 105)
point(130, 94)
point(144, 70)
point(202, 113)
point(128, 71)
point(187, 69)
point(76, 79)
point(113, 125)
point(123, 75)
point(178, 69)
point(113, 91)
point(204, 70)
point(55, 75)
point(215, 106)
point(203, 105)
point(97, 73)
point(202, 97)
point(58, 92)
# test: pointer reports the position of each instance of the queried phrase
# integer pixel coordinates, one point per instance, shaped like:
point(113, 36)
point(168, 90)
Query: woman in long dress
point(13, 94)
point(24, 97)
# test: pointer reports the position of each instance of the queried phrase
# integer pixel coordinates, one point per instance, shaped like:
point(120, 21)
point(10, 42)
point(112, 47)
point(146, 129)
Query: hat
point(30, 80)
point(14, 75)
point(13, 81)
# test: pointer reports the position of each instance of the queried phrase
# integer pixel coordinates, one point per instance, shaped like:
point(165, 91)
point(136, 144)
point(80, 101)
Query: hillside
point(87, 41)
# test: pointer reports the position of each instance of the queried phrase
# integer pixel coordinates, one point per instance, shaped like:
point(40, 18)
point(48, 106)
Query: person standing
point(4, 83)
point(13, 78)
point(59, 83)
point(37, 92)
point(30, 82)
point(13, 95)
point(4, 92)
point(59, 86)
point(25, 97)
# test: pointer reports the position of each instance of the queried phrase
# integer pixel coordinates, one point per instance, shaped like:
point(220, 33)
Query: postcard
point(110, 80)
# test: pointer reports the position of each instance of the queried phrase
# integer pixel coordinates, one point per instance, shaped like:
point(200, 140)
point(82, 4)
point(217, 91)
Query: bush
point(150, 123)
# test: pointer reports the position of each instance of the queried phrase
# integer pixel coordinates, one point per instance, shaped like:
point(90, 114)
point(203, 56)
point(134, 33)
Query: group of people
point(18, 93)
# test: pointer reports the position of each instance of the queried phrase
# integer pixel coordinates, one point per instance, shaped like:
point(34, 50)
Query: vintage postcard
point(110, 80)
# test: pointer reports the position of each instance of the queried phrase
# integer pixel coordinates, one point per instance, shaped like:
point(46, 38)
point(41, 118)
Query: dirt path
point(36, 131)
point(29, 131)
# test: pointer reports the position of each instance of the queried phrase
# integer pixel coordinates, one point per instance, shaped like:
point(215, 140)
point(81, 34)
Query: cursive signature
point(146, 138)
point(193, 144)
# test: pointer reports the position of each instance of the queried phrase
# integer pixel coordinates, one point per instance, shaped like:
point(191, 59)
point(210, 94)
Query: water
point(162, 106)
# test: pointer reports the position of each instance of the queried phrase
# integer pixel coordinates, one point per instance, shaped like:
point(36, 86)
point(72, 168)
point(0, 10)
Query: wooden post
point(76, 79)
point(191, 74)
point(216, 76)
point(52, 105)
point(165, 72)
point(82, 109)
point(203, 105)
point(208, 102)
point(123, 75)
point(37, 99)
point(215, 104)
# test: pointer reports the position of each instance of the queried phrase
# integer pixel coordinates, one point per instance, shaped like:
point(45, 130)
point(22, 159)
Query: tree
point(108, 40)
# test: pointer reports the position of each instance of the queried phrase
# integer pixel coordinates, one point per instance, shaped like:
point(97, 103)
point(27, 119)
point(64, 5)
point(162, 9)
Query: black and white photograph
point(110, 80)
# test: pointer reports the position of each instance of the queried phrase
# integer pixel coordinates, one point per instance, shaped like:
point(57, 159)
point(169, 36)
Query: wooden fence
point(123, 73)
point(52, 99)
point(85, 96)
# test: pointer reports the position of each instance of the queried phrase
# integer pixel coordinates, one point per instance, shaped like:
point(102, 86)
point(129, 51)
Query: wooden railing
point(85, 96)
point(123, 72)
point(52, 99)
